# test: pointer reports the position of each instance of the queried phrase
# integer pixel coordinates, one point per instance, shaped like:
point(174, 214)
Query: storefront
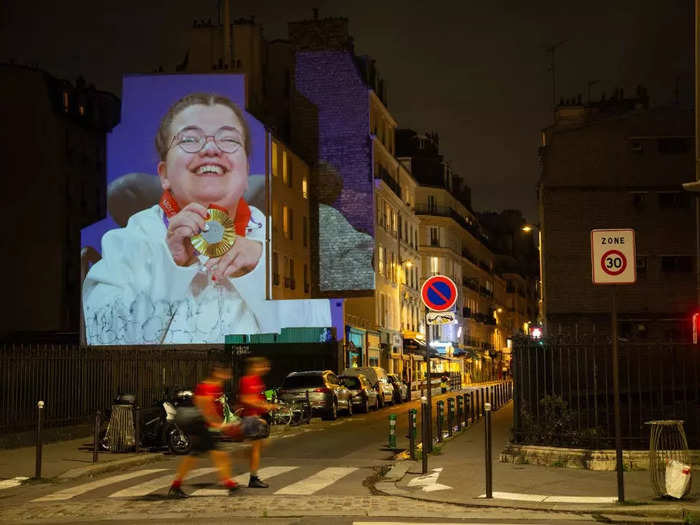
point(373, 348)
point(354, 345)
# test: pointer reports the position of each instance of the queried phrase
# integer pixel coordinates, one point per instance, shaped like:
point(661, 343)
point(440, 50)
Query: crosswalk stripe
point(13, 482)
point(77, 490)
point(142, 489)
point(316, 482)
point(264, 473)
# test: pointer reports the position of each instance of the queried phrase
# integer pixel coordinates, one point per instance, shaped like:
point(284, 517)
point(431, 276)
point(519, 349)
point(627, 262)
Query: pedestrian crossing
point(296, 480)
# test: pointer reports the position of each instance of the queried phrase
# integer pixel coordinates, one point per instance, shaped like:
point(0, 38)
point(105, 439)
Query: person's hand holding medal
point(208, 169)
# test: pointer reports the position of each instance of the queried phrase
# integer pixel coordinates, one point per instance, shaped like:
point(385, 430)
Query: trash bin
point(121, 436)
point(667, 443)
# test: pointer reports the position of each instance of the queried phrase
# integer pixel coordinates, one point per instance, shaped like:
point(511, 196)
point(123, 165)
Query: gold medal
point(219, 237)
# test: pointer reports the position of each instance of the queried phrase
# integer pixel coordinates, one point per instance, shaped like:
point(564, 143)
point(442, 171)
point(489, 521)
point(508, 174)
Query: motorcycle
point(157, 423)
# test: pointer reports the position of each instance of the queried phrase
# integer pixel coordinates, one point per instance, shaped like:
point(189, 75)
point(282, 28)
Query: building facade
point(57, 130)
point(618, 164)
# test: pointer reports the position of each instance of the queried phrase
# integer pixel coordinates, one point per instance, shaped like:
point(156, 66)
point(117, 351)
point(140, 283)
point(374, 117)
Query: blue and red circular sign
point(439, 293)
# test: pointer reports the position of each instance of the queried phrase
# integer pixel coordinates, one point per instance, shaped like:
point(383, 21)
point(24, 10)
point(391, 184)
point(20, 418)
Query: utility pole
point(552, 67)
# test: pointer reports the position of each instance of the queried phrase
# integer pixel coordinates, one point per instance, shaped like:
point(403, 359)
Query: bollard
point(137, 428)
point(96, 437)
point(412, 432)
point(440, 409)
point(40, 410)
point(487, 449)
point(460, 412)
point(392, 430)
point(450, 415)
point(425, 421)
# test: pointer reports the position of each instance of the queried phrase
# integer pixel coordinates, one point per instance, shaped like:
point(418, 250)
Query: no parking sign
point(613, 256)
point(439, 293)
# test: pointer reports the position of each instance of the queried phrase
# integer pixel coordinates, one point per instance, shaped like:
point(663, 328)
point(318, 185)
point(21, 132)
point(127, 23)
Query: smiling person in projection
point(191, 269)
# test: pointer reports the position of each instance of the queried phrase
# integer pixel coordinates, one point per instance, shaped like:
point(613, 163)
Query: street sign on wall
point(439, 293)
point(613, 256)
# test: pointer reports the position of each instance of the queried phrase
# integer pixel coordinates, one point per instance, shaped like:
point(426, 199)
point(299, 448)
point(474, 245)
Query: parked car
point(364, 396)
point(378, 382)
point(326, 394)
point(400, 388)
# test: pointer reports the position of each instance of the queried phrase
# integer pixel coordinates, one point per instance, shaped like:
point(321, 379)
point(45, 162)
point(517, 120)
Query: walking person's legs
point(187, 464)
point(255, 450)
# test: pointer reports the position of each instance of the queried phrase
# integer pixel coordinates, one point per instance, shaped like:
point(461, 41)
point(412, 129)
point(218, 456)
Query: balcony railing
point(446, 211)
point(389, 181)
point(470, 284)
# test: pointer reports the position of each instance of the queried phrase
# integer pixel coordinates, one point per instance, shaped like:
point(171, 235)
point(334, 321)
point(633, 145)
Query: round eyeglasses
point(193, 140)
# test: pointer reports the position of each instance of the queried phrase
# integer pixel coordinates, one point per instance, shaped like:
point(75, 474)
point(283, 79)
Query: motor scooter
point(157, 427)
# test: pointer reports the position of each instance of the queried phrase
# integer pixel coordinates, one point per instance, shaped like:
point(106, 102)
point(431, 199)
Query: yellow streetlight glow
point(526, 228)
point(409, 264)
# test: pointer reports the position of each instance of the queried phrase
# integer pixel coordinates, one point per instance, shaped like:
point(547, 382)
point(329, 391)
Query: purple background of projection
point(332, 82)
point(145, 100)
point(131, 148)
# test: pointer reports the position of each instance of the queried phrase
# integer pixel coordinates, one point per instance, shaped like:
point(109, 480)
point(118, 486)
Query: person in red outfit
point(251, 391)
point(206, 431)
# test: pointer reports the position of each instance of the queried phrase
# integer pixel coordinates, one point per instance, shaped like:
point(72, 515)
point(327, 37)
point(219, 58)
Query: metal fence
point(564, 392)
point(75, 381)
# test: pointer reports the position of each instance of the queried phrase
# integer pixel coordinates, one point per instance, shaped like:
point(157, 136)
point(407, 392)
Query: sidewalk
point(461, 480)
point(71, 458)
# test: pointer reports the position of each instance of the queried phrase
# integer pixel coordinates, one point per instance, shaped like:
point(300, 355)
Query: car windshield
point(304, 381)
point(351, 382)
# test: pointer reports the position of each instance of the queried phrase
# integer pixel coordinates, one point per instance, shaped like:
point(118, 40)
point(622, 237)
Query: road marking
point(551, 499)
point(316, 482)
point(87, 487)
point(142, 489)
point(429, 482)
point(13, 482)
point(264, 473)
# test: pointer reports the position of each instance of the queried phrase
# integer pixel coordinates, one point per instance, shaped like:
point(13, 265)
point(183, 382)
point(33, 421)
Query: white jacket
point(136, 294)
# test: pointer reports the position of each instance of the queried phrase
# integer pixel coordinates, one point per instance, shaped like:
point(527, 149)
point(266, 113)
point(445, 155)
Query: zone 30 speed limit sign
point(613, 257)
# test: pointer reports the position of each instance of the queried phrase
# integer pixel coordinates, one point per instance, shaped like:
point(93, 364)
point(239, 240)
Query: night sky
point(475, 72)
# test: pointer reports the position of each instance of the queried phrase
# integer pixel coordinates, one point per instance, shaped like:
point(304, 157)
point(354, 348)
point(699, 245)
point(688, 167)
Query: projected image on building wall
point(182, 256)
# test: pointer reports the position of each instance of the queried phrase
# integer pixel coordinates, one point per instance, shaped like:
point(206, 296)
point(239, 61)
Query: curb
point(99, 468)
point(387, 486)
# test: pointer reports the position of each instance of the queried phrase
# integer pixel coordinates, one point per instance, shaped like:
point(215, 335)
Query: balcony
point(389, 181)
point(466, 313)
point(485, 291)
point(470, 283)
point(446, 211)
point(468, 255)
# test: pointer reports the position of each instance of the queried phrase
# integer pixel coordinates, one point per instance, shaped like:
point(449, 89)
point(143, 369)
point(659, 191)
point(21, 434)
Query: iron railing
point(76, 381)
point(567, 384)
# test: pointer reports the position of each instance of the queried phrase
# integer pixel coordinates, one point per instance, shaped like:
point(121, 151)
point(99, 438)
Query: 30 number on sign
point(613, 262)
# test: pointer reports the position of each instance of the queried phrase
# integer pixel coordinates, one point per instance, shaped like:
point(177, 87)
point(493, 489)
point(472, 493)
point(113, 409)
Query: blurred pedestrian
point(204, 428)
point(251, 392)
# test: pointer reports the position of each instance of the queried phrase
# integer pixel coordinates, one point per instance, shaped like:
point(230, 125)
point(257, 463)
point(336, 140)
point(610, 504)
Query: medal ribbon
point(171, 208)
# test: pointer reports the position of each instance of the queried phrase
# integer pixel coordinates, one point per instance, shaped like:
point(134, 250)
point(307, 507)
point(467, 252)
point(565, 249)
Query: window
point(380, 213)
point(400, 227)
point(292, 283)
point(306, 278)
point(81, 109)
point(275, 269)
point(392, 268)
point(673, 145)
point(674, 200)
point(393, 221)
point(639, 200)
point(305, 188)
point(285, 221)
point(382, 309)
point(641, 265)
point(637, 147)
point(290, 173)
point(432, 205)
point(285, 168)
point(275, 166)
point(676, 263)
point(291, 224)
point(434, 265)
point(387, 216)
point(305, 231)
point(66, 105)
point(434, 236)
point(415, 238)
point(285, 262)
point(380, 256)
point(275, 215)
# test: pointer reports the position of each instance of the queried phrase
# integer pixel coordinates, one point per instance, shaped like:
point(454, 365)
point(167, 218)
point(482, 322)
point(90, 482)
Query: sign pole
point(428, 447)
point(616, 395)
